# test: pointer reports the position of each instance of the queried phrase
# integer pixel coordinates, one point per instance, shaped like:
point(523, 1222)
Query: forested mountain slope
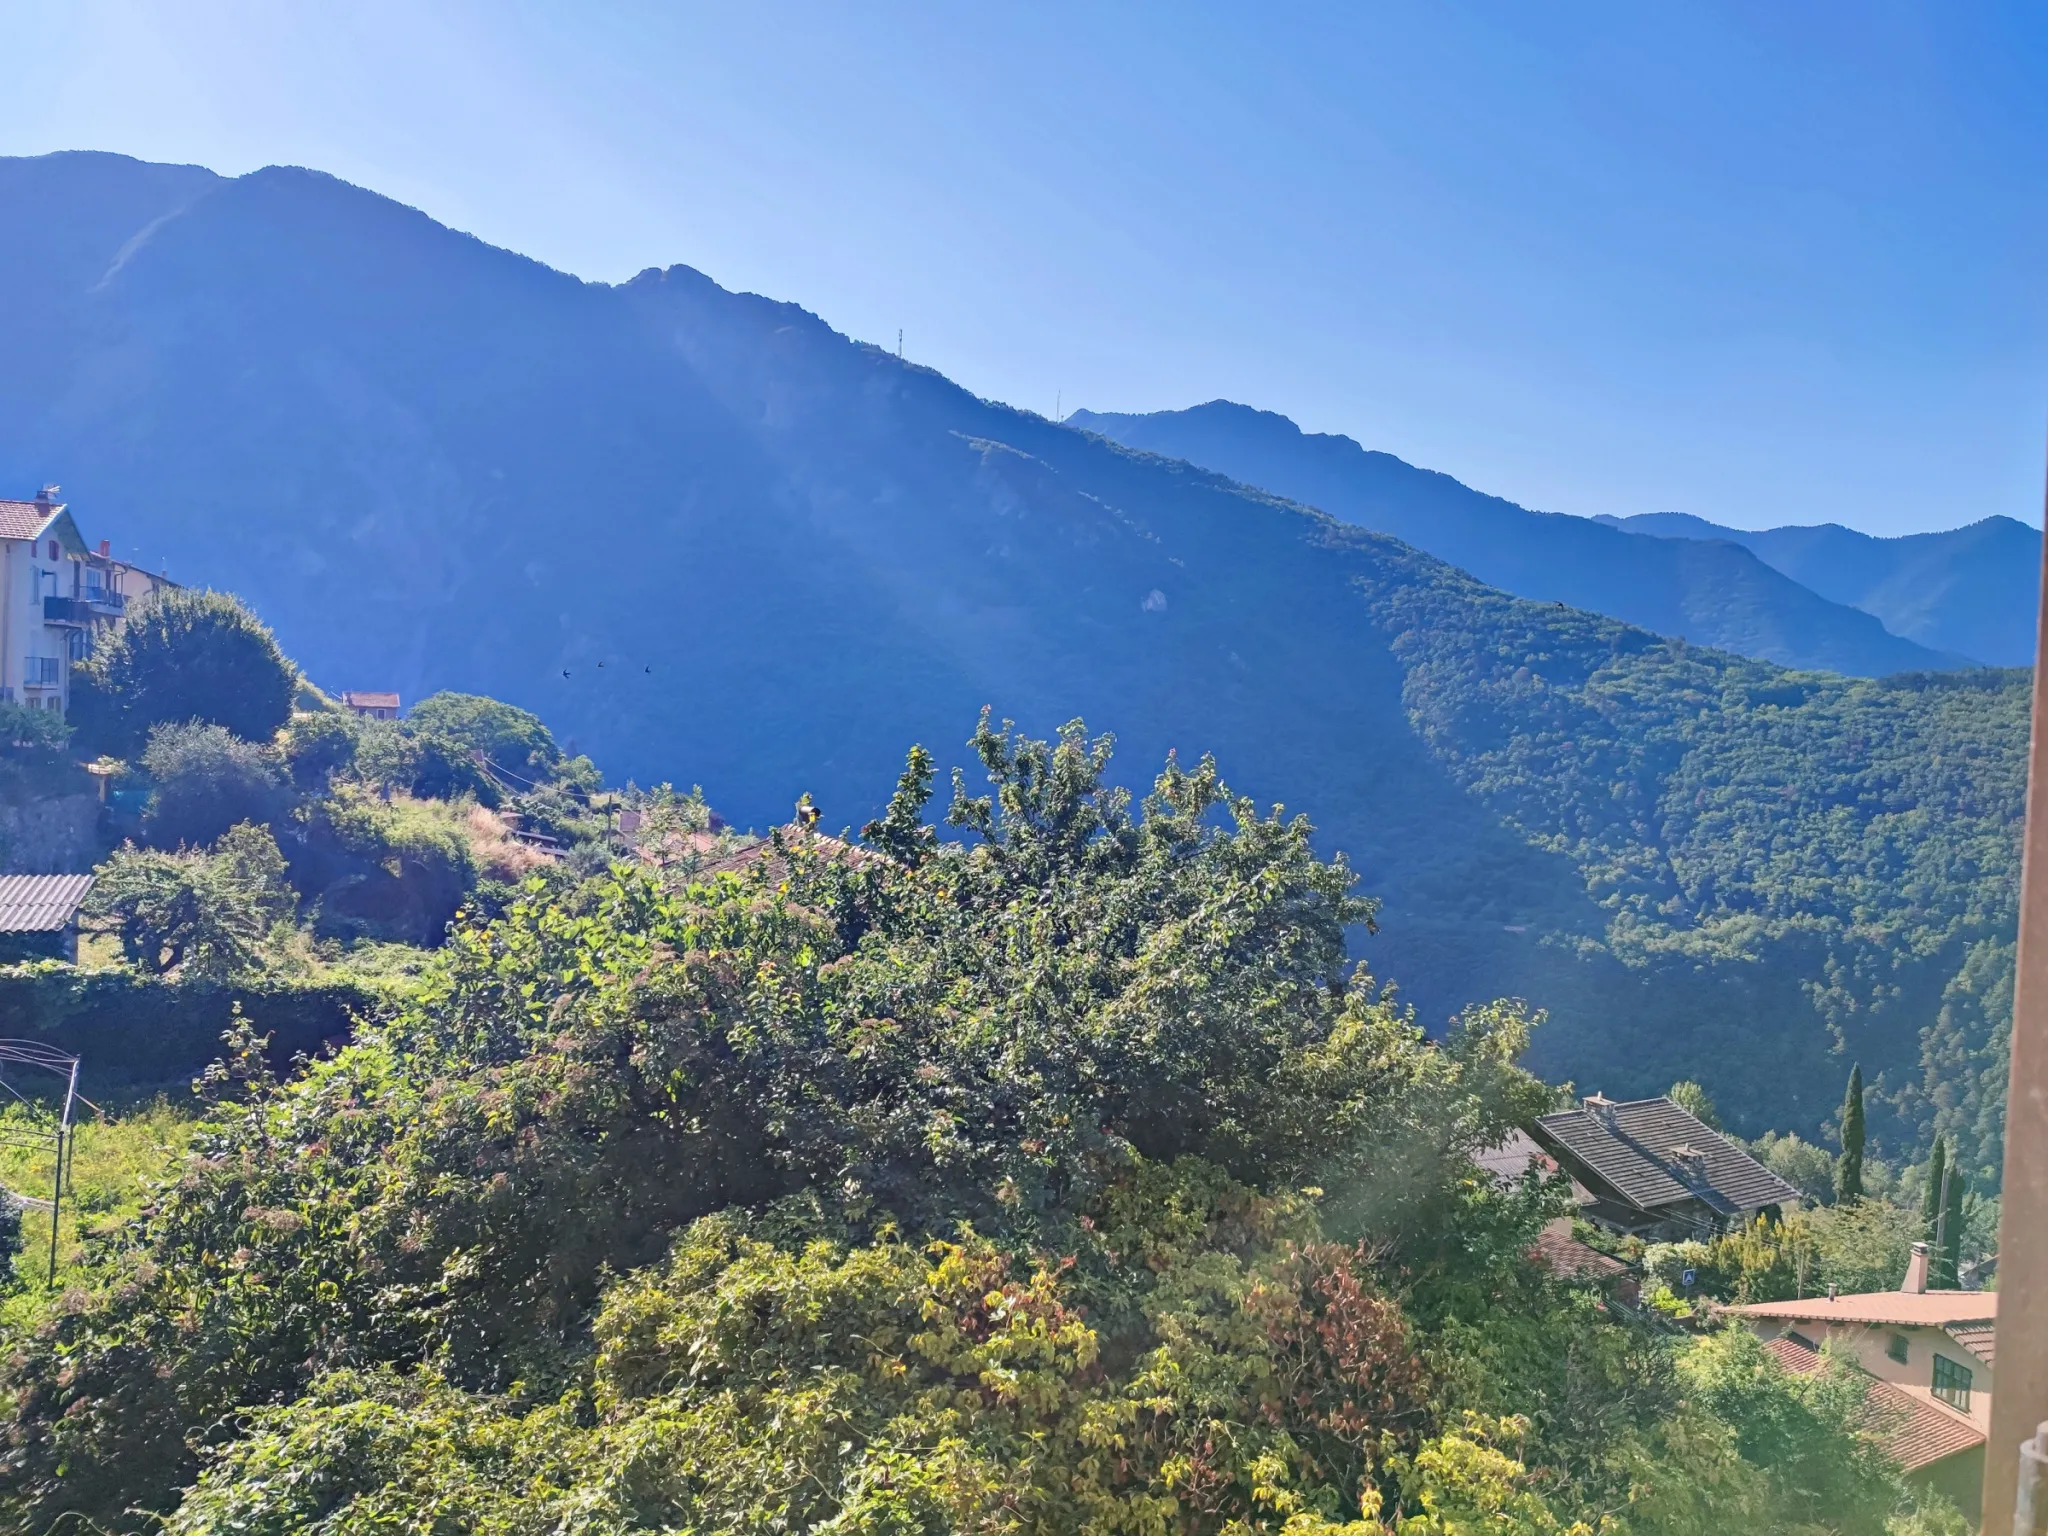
point(709, 539)
point(1708, 593)
point(1974, 589)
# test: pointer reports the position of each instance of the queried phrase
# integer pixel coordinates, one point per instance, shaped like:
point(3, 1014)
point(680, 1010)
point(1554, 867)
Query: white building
point(54, 593)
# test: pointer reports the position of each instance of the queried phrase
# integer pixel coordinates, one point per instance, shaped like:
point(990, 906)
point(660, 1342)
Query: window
point(1897, 1348)
point(55, 553)
point(1952, 1383)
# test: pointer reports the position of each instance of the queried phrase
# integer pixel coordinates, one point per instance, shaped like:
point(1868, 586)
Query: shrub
point(386, 869)
point(514, 740)
point(207, 779)
point(183, 655)
point(196, 913)
point(32, 730)
point(319, 744)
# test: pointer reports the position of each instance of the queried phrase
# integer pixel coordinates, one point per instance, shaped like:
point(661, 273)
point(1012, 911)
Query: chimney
point(47, 495)
point(106, 548)
point(1601, 1108)
point(1916, 1272)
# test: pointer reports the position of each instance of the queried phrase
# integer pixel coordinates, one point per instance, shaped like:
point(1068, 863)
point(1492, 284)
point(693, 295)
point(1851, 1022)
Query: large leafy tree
point(183, 655)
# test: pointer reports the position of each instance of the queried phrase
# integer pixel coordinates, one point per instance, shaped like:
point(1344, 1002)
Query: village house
point(55, 592)
point(371, 706)
point(1930, 1355)
point(1647, 1168)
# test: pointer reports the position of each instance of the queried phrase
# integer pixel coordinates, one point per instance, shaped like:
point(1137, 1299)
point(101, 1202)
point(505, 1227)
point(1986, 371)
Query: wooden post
point(2019, 1401)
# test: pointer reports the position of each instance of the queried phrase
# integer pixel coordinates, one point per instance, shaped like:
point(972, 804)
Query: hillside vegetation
point(1049, 1176)
point(709, 539)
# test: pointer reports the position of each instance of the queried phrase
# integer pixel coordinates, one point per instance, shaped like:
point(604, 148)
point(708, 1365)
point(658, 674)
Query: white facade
point(54, 593)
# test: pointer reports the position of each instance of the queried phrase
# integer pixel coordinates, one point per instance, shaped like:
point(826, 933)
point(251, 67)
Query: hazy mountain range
point(1973, 590)
point(713, 541)
point(1824, 597)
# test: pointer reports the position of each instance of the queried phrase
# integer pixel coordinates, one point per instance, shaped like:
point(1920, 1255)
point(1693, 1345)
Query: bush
point(32, 730)
point(207, 780)
point(182, 655)
point(195, 913)
point(319, 744)
point(396, 869)
point(515, 741)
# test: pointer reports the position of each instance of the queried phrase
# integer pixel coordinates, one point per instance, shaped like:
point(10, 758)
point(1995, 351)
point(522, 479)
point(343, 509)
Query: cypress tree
point(1930, 1198)
point(1952, 1233)
point(1849, 1166)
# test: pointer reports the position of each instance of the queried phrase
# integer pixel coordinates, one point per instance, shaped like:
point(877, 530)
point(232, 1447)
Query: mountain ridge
point(1721, 596)
point(1972, 589)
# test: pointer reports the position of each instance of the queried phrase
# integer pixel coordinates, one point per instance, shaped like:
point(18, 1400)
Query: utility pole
point(899, 343)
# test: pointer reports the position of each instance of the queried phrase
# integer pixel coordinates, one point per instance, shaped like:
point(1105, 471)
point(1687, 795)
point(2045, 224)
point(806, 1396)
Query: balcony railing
point(90, 607)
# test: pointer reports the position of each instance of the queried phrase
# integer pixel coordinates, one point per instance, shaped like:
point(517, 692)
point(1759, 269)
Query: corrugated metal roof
point(1634, 1157)
point(40, 903)
point(1916, 1432)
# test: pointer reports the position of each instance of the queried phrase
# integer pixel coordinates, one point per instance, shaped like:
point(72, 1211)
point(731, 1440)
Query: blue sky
point(1759, 263)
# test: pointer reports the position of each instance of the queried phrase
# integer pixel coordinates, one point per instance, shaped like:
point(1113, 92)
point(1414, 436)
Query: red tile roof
point(1916, 1431)
point(1978, 1338)
point(1926, 1309)
point(1569, 1259)
point(25, 519)
point(358, 700)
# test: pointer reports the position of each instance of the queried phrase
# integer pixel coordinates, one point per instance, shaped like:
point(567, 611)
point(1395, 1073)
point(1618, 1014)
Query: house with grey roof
point(1650, 1169)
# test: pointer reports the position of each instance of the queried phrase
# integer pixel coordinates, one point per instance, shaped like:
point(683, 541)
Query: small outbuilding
point(39, 916)
point(370, 705)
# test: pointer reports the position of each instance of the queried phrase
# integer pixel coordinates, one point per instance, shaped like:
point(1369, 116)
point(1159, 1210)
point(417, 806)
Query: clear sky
point(1762, 263)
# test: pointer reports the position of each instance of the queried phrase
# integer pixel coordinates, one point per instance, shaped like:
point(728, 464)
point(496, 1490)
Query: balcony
point(92, 606)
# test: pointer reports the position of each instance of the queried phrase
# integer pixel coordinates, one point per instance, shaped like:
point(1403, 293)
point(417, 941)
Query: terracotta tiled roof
point(40, 903)
point(1916, 1431)
point(1926, 1309)
point(1633, 1157)
point(358, 700)
point(1979, 1338)
point(1569, 1259)
point(25, 519)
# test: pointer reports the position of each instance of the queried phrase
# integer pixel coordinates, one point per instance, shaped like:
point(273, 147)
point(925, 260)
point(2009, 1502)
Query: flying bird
point(565, 671)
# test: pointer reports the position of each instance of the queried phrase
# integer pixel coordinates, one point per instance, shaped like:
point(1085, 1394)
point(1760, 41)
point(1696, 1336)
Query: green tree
point(1849, 1167)
point(515, 742)
point(195, 912)
point(1946, 1270)
point(1692, 1098)
point(206, 779)
point(182, 655)
point(1934, 1191)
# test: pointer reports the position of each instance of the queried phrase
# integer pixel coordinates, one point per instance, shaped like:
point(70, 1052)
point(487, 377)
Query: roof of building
point(356, 699)
point(1923, 1309)
point(40, 903)
point(1916, 1431)
point(1569, 1259)
point(26, 519)
point(1980, 1338)
point(1634, 1157)
point(1512, 1158)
